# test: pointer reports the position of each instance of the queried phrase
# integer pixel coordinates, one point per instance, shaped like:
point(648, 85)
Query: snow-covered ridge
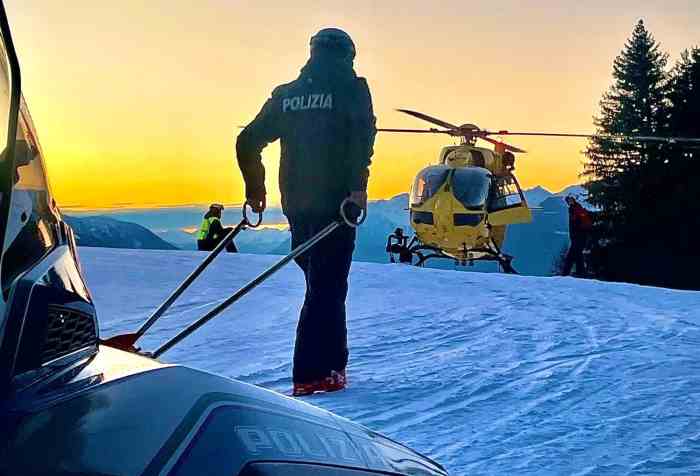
point(487, 373)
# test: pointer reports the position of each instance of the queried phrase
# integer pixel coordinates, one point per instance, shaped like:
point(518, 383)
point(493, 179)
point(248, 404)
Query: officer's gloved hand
point(258, 205)
point(359, 198)
point(353, 206)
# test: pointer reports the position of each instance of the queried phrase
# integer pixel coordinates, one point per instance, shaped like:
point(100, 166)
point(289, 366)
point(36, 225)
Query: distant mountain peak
point(538, 188)
point(536, 195)
point(575, 190)
point(106, 232)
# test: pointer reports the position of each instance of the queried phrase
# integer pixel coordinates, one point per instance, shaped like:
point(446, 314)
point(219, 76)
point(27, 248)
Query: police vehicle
point(71, 405)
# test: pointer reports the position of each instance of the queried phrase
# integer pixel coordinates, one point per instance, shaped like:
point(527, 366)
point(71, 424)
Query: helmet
point(334, 40)
point(215, 210)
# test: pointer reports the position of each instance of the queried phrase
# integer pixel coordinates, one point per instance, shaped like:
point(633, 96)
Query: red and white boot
point(302, 389)
point(334, 382)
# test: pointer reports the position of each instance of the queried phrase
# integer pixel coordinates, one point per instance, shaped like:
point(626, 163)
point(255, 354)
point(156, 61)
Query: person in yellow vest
point(211, 232)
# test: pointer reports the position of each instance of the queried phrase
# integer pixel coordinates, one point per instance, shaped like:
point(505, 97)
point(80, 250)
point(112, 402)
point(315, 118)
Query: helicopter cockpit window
point(478, 159)
point(471, 187)
point(505, 194)
point(32, 223)
point(428, 182)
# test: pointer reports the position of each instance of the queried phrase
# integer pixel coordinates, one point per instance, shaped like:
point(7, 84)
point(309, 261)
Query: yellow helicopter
point(460, 208)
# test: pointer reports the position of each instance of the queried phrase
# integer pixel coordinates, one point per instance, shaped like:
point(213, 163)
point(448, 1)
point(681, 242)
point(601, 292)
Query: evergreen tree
point(684, 160)
point(684, 95)
point(640, 187)
point(634, 105)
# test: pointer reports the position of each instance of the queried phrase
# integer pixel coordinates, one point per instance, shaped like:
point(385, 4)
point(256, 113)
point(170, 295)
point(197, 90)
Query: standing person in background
point(580, 225)
point(326, 125)
point(211, 231)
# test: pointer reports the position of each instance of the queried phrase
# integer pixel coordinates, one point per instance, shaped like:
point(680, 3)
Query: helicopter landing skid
point(494, 253)
point(406, 252)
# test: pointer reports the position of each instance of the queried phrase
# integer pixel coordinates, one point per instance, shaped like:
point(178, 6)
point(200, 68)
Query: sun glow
point(138, 103)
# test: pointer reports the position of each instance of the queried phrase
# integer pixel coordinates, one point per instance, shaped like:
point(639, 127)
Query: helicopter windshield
point(471, 186)
point(428, 182)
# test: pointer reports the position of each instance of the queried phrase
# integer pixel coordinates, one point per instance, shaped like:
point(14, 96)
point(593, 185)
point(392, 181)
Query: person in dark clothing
point(580, 224)
point(326, 125)
point(211, 231)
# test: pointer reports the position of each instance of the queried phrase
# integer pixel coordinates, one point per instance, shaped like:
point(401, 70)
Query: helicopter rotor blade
point(597, 136)
point(505, 146)
point(670, 140)
point(432, 120)
point(417, 131)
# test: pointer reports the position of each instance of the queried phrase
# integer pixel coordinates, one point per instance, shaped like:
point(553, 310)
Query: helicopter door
point(507, 203)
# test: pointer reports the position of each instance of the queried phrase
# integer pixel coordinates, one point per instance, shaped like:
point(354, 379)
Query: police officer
point(211, 231)
point(326, 125)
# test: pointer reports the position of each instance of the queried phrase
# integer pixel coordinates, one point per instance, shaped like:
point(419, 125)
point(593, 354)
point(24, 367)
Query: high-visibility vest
point(204, 228)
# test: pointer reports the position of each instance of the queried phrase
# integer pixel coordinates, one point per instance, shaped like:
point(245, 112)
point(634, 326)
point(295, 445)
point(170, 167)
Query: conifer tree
point(634, 105)
point(683, 197)
point(627, 180)
point(684, 95)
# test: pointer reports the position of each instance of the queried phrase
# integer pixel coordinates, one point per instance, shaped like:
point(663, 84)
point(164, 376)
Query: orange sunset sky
point(137, 102)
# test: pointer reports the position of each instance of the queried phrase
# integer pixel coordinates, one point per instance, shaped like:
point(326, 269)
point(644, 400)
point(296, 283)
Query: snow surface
point(486, 373)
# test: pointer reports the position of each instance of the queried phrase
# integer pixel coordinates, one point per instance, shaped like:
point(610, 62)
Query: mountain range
point(535, 245)
point(107, 232)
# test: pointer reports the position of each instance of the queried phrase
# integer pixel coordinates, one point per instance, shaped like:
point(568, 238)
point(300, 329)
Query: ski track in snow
point(486, 373)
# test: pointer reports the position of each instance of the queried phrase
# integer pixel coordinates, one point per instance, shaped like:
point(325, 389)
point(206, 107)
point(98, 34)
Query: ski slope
point(486, 373)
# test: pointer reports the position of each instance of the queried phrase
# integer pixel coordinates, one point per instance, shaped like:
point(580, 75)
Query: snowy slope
point(487, 373)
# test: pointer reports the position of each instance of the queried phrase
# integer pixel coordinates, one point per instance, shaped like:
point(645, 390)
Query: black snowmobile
point(72, 405)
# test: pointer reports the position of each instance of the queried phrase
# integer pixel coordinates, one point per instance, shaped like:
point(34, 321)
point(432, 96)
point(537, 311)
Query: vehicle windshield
point(428, 182)
point(32, 222)
point(471, 186)
point(5, 100)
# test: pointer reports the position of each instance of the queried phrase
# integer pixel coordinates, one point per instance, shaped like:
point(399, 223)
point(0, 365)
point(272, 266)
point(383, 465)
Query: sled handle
point(360, 217)
point(245, 216)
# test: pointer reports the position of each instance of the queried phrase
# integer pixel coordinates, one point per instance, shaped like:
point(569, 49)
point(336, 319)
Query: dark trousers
point(575, 254)
point(209, 244)
point(321, 343)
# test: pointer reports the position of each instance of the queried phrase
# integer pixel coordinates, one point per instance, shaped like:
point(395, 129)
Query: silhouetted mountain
point(535, 245)
point(383, 217)
point(106, 232)
point(181, 239)
point(535, 196)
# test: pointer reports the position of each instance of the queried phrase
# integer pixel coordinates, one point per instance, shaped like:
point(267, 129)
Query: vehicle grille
point(66, 331)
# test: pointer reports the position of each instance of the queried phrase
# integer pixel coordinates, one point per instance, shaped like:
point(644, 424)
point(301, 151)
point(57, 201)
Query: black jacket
point(326, 125)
